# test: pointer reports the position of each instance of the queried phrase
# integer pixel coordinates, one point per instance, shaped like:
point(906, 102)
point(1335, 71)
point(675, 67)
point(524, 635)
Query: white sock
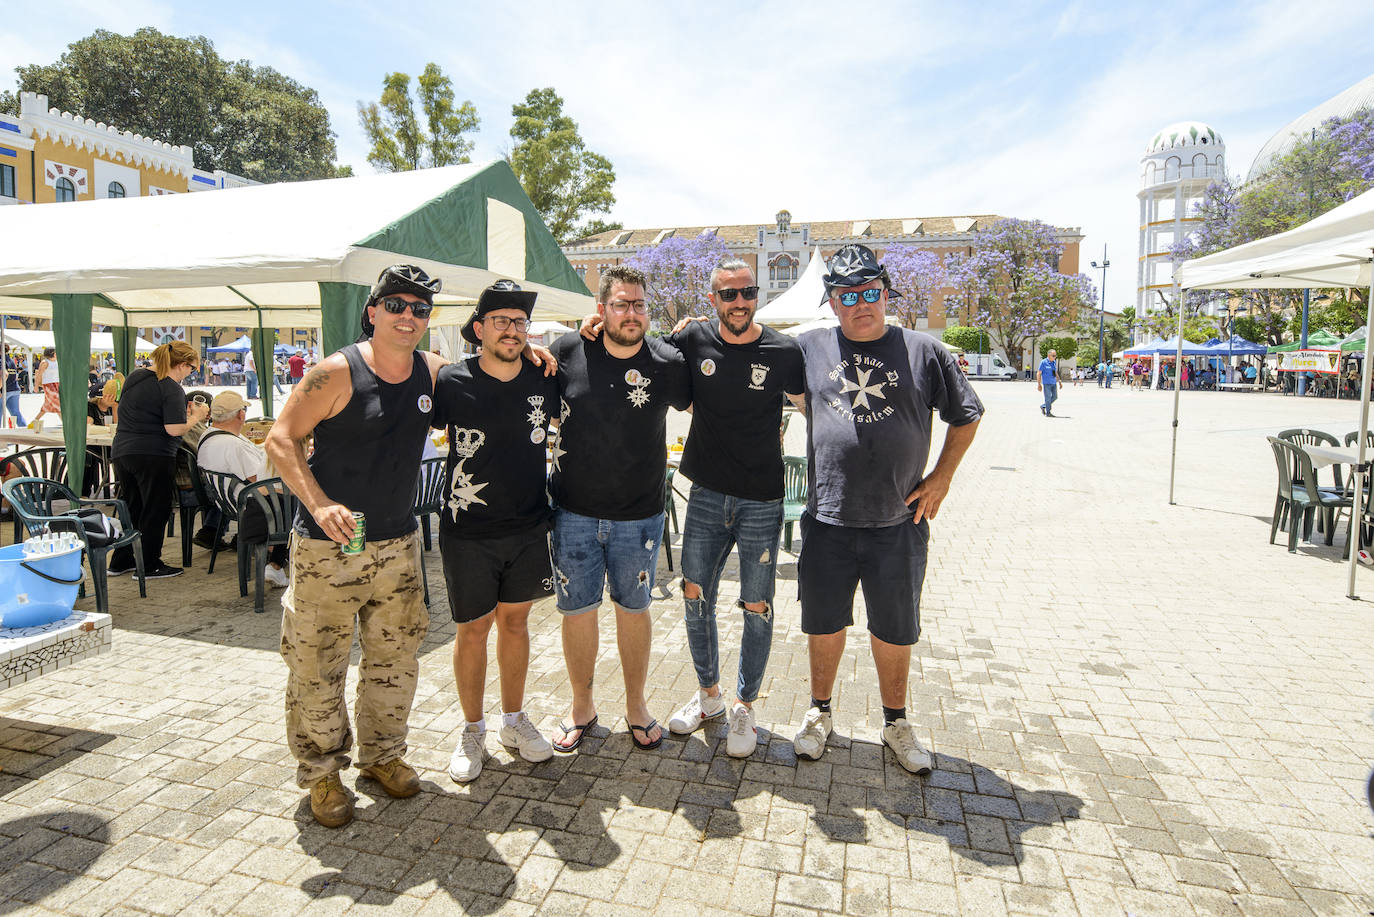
point(510, 719)
point(479, 725)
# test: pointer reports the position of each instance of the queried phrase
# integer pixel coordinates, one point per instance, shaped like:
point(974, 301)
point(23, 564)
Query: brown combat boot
point(330, 803)
point(396, 777)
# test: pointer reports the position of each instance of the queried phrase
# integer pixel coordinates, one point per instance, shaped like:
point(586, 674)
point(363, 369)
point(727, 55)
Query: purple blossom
point(918, 275)
point(679, 272)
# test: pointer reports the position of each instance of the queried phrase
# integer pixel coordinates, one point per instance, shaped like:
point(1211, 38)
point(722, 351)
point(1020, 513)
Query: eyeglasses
point(622, 306)
point(728, 294)
point(851, 297)
point(396, 305)
point(502, 322)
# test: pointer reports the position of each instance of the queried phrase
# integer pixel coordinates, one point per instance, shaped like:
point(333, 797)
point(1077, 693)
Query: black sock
point(893, 714)
point(822, 705)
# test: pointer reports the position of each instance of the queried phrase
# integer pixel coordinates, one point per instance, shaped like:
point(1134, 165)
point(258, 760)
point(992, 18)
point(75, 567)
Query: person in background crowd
point(250, 372)
point(46, 381)
point(153, 416)
point(12, 389)
point(1048, 382)
point(296, 365)
point(103, 410)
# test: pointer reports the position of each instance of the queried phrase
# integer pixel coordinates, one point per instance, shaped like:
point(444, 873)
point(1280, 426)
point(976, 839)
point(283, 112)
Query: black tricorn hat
point(853, 266)
point(503, 294)
point(400, 278)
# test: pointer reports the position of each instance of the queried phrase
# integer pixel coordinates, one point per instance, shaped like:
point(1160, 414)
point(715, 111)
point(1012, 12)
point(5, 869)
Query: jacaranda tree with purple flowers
point(1013, 285)
point(917, 274)
point(679, 273)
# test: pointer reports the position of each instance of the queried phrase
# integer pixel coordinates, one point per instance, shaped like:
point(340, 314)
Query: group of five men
point(522, 521)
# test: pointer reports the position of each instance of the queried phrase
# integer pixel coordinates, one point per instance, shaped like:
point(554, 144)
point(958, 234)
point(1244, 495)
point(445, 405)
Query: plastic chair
point(1353, 437)
point(1306, 437)
point(190, 502)
point(669, 515)
point(793, 495)
point(1304, 498)
point(47, 462)
point(429, 499)
point(233, 495)
point(32, 500)
point(429, 495)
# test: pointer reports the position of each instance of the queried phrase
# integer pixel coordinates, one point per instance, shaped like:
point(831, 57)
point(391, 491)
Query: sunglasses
point(396, 305)
point(851, 297)
point(728, 294)
point(502, 322)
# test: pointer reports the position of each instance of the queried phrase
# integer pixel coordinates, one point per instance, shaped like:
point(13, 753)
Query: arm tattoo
point(317, 380)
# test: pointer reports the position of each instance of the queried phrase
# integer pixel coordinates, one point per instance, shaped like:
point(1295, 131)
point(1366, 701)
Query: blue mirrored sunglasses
point(851, 297)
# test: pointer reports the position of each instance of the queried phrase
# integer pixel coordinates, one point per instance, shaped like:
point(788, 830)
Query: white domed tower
point(1179, 164)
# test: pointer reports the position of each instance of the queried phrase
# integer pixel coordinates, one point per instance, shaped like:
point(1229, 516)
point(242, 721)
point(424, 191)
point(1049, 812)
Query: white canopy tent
point(101, 341)
point(802, 302)
point(1334, 250)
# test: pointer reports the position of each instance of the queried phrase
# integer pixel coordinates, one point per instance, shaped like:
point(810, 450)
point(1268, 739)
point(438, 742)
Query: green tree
point(1063, 345)
point(972, 340)
point(403, 140)
point(249, 120)
point(1086, 354)
point(565, 180)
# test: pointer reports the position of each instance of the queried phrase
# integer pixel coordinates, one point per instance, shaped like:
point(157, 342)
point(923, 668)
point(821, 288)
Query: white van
point(989, 366)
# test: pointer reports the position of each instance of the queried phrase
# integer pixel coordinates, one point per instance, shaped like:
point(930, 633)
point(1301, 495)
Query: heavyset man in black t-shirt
point(609, 478)
point(368, 407)
point(493, 528)
point(870, 392)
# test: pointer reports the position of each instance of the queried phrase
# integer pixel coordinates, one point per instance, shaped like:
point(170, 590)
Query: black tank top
point(367, 456)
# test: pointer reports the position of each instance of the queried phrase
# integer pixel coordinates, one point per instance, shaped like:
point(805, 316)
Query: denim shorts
point(590, 555)
point(890, 564)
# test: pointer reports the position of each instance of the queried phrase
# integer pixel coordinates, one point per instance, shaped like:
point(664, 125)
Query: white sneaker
point(809, 742)
point(692, 715)
point(743, 737)
point(276, 576)
point(527, 741)
point(467, 759)
point(901, 738)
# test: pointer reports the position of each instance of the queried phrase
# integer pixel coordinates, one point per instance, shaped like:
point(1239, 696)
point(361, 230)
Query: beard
point(733, 325)
point(507, 351)
point(625, 337)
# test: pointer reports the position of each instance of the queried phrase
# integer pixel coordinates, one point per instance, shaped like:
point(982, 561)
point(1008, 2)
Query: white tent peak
point(803, 301)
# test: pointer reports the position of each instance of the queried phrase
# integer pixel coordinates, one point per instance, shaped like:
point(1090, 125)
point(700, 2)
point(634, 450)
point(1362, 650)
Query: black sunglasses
point(728, 295)
point(396, 305)
point(851, 297)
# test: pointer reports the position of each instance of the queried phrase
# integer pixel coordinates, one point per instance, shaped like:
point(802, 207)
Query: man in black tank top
point(368, 407)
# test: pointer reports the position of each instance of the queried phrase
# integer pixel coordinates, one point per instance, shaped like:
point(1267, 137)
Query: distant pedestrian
point(1101, 372)
point(250, 372)
point(1110, 371)
point(297, 367)
point(47, 381)
point(12, 389)
point(1049, 382)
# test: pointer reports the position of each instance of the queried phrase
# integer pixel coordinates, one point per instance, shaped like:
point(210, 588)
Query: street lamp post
point(1102, 313)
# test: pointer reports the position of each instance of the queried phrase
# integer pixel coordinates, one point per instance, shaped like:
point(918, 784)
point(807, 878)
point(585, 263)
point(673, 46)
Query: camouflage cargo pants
point(329, 590)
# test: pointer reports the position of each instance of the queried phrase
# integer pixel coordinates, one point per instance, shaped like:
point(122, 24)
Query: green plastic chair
point(793, 494)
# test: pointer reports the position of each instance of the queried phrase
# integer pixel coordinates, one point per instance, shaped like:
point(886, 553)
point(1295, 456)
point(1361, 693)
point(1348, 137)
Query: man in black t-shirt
point(609, 477)
point(740, 373)
point(493, 528)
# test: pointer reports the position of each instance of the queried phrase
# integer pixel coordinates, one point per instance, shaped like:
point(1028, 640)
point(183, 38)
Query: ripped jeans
point(715, 522)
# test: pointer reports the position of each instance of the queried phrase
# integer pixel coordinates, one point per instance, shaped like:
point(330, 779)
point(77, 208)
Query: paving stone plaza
point(1135, 708)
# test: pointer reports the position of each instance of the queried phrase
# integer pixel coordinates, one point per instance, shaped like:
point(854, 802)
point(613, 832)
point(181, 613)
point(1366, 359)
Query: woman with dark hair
point(45, 379)
point(12, 388)
point(153, 414)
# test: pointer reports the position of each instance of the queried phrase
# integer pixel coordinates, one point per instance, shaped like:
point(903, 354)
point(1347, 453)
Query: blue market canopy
point(240, 346)
point(1169, 347)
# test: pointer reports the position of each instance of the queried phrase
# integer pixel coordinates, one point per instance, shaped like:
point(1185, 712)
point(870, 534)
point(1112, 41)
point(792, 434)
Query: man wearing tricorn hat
point(493, 528)
point(870, 391)
point(369, 407)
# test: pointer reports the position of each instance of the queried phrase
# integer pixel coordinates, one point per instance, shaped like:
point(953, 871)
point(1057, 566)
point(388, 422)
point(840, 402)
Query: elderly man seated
point(223, 448)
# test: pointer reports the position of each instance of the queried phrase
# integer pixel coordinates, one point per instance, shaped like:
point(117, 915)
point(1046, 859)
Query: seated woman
point(103, 410)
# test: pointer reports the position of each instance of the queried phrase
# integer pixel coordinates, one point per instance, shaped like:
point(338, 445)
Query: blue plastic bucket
point(39, 589)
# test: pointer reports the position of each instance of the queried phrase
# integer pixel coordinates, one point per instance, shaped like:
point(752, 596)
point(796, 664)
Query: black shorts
point(483, 571)
point(889, 562)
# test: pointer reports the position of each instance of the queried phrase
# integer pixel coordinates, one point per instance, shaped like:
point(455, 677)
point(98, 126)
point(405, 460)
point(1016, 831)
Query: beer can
point(355, 544)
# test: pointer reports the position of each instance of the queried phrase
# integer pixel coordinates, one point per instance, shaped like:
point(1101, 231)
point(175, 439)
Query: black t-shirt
point(610, 457)
point(497, 456)
point(737, 400)
point(101, 417)
point(145, 407)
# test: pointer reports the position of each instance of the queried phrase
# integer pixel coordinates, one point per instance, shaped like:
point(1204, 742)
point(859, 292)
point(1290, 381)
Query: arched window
point(66, 191)
point(115, 190)
point(773, 271)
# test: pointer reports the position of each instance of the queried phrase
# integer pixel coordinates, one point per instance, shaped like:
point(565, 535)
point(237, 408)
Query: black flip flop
point(646, 746)
point(581, 734)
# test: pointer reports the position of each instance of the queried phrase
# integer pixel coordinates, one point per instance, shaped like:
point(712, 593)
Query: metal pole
point(1302, 338)
point(1361, 469)
point(1178, 386)
point(5, 393)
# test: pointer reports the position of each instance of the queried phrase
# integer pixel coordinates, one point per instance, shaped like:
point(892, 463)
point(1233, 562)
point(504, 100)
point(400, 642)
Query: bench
point(1241, 386)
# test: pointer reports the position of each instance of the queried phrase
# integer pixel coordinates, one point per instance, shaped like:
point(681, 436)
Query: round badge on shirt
point(633, 377)
point(708, 367)
point(537, 435)
point(426, 404)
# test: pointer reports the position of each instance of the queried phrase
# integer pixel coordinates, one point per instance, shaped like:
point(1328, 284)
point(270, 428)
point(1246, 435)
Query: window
point(7, 181)
point(115, 190)
point(66, 191)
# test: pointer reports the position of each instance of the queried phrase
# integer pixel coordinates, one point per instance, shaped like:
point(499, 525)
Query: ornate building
point(780, 251)
point(1178, 165)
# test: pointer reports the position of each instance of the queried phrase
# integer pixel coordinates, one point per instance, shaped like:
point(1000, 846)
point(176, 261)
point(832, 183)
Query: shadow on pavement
point(30, 750)
point(42, 853)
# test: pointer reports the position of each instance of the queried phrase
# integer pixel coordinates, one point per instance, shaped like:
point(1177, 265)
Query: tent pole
point(1361, 469)
point(4, 371)
point(1178, 383)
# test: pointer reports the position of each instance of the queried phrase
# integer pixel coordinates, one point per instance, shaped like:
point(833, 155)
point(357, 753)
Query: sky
point(716, 113)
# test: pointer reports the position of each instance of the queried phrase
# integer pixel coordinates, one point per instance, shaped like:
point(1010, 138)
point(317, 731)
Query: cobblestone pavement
point(1137, 709)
